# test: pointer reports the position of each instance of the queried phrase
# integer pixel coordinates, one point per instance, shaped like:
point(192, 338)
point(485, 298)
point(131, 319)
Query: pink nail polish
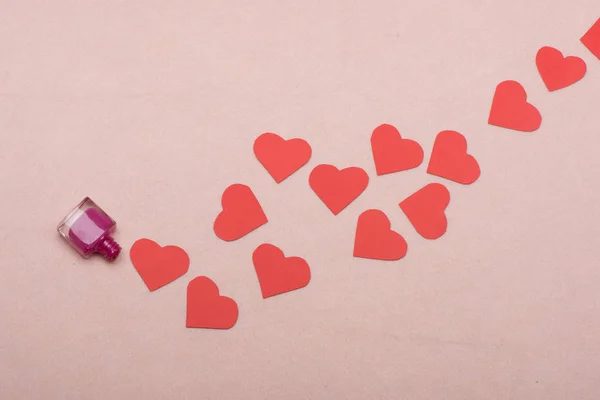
point(88, 229)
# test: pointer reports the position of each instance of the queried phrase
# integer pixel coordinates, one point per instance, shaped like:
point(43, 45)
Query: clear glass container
point(88, 229)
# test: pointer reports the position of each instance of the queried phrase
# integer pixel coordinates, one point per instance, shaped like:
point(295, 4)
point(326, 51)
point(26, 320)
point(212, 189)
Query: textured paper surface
point(152, 107)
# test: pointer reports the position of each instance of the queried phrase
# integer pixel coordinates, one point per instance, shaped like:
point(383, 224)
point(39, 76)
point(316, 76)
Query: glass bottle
point(88, 229)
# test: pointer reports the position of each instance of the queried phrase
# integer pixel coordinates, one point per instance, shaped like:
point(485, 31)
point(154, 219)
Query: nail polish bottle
point(88, 229)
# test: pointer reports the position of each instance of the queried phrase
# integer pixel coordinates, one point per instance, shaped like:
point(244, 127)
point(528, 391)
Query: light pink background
point(151, 108)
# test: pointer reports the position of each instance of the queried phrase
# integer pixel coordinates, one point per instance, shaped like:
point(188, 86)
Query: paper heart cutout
point(375, 239)
point(511, 110)
point(158, 265)
point(206, 308)
point(591, 39)
point(557, 71)
point(241, 213)
point(277, 273)
point(337, 188)
point(280, 157)
point(425, 210)
point(450, 160)
point(392, 153)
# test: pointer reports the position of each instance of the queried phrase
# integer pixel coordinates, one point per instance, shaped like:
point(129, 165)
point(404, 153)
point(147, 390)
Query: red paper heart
point(280, 157)
point(375, 239)
point(450, 160)
point(557, 71)
point(206, 308)
point(425, 210)
point(337, 188)
point(279, 274)
point(241, 213)
point(591, 39)
point(392, 153)
point(511, 110)
point(158, 265)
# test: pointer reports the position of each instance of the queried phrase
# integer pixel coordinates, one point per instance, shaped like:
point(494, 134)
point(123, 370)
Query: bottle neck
point(108, 248)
